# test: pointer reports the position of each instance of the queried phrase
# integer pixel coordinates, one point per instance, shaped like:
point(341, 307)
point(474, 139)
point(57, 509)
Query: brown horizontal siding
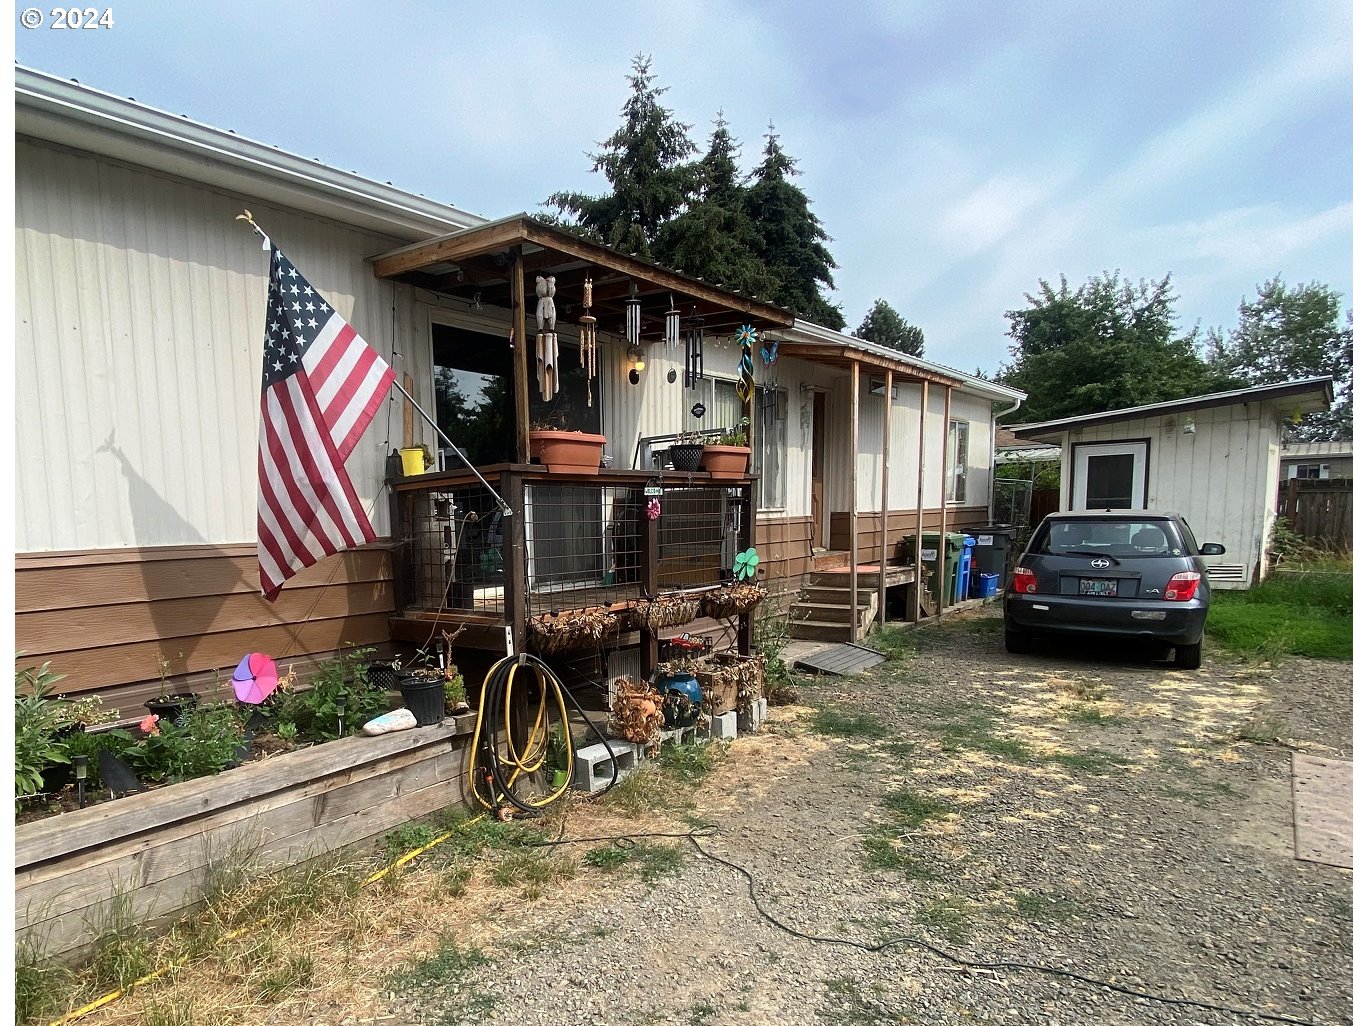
point(785, 548)
point(109, 618)
point(900, 523)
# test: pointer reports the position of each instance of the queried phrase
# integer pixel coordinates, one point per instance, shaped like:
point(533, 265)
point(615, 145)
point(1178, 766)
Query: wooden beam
point(854, 501)
point(841, 355)
point(945, 497)
point(921, 501)
point(883, 517)
point(451, 249)
point(521, 405)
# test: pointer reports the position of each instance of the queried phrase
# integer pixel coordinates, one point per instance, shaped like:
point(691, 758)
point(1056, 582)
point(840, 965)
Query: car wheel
point(1187, 657)
point(1018, 642)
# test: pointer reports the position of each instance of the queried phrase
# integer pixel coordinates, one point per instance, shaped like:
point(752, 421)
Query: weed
point(668, 783)
point(404, 839)
point(896, 643)
point(1305, 614)
point(532, 871)
point(607, 857)
point(689, 764)
point(977, 734)
point(169, 1012)
point(947, 916)
point(1262, 731)
point(853, 1003)
point(701, 1013)
point(835, 723)
point(456, 879)
point(296, 973)
point(1052, 905)
point(771, 635)
point(656, 860)
point(449, 960)
point(120, 953)
point(914, 808)
point(1079, 713)
point(1091, 761)
point(40, 985)
point(883, 850)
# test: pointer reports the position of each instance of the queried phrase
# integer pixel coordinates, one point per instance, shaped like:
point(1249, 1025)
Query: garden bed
point(157, 852)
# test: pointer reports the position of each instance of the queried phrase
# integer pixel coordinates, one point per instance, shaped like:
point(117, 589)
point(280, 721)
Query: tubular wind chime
point(745, 367)
point(672, 325)
point(633, 318)
point(548, 374)
point(589, 340)
point(693, 350)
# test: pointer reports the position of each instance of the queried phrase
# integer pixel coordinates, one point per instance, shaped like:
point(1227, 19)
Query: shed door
point(1110, 476)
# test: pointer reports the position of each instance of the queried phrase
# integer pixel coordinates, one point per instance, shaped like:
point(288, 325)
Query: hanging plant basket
point(666, 611)
point(565, 632)
point(733, 600)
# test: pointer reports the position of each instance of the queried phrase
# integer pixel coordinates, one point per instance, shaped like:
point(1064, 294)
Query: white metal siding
point(1221, 476)
point(139, 314)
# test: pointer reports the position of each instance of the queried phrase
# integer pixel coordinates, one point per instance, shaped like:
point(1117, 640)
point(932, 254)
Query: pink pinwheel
point(255, 678)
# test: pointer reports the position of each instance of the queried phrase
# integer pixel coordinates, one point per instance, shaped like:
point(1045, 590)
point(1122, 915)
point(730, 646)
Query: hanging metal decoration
point(745, 367)
point(698, 410)
point(633, 318)
point(672, 325)
point(769, 351)
point(589, 340)
point(548, 345)
point(769, 403)
point(693, 350)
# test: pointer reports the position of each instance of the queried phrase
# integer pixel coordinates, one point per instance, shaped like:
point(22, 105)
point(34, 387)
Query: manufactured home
point(140, 302)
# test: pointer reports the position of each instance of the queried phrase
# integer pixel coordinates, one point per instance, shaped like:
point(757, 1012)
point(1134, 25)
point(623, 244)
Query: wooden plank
point(515, 560)
point(101, 824)
point(103, 577)
point(921, 490)
point(883, 495)
point(41, 633)
point(854, 495)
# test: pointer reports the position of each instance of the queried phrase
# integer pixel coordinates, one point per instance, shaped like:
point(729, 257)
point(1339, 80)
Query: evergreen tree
point(1106, 346)
point(715, 239)
point(1290, 333)
point(646, 164)
point(791, 237)
point(886, 327)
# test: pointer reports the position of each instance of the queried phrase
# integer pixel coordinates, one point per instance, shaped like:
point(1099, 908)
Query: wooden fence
point(1322, 512)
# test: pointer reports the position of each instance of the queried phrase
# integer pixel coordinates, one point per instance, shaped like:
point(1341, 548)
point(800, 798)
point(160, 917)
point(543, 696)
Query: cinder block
point(594, 764)
point(752, 714)
point(722, 727)
point(680, 736)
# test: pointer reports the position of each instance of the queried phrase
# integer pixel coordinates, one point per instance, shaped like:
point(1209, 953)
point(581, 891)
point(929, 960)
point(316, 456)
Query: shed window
point(957, 474)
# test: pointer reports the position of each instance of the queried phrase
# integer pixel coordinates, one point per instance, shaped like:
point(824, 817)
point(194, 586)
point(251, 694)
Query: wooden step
point(812, 630)
point(823, 612)
point(841, 579)
point(824, 559)
point(839, 596)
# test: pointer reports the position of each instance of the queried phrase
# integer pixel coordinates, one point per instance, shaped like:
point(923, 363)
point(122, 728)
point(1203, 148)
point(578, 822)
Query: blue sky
point(956, 152)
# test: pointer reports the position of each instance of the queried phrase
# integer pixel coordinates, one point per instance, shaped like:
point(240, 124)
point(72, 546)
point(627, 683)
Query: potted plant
point(415, 459)
point(686, 453)
point(167, 706)
point(729, 453)
point(424, 690)
point(564, 451)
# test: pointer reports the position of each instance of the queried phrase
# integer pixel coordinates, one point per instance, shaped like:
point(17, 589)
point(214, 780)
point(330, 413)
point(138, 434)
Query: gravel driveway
point(1093, 811)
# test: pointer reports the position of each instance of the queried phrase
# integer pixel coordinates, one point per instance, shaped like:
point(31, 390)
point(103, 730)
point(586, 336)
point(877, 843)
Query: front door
point(818, 464)
point(1110, 475)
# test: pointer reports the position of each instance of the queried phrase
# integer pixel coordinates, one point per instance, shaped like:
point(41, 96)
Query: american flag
point(321, 386)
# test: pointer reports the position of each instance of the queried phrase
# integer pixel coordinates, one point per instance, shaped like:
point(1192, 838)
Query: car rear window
point(1112, 536)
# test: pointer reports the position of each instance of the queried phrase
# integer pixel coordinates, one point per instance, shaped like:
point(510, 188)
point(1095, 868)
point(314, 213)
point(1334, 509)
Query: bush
point(36, 720)
point(204, 741)
point(340, 700)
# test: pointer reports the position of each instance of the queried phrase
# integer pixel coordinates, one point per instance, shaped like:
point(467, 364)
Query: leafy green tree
point(1291, 332)
point(646, 162)
point(885, 326)
point(1108, 345)
point(791, 237)
point(714, 238)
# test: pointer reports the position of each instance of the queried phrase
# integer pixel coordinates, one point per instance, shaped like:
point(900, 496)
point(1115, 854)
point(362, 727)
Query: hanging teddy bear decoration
point(548, 374)
point(589, 340)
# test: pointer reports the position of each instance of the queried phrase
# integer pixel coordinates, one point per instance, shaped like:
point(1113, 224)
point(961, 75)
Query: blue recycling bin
point(985, 585)
point(966, 561)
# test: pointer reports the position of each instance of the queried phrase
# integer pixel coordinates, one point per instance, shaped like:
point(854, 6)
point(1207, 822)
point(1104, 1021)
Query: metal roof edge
point(48, 95)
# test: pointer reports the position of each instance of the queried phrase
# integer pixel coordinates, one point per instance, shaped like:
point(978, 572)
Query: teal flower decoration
point(745, 336)
point(745, 564)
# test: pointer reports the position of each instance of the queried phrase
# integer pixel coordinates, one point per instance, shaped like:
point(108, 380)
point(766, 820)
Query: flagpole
point(507, 510)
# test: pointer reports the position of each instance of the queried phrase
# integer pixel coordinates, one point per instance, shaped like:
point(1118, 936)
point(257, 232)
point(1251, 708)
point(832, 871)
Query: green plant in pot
point(686, 452)
point(168, 706)
point(729, 453)
point(424, 689)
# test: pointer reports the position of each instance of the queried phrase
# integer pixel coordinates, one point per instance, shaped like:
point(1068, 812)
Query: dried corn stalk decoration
point(665, 611)
point(636, 712)
point(733, 600)
point(589, 340)
point(728, 680)
point(548, 344)
point(564, 632)
point(693, 350)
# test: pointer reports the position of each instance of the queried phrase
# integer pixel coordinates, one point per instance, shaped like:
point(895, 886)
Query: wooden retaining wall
point(158, 850)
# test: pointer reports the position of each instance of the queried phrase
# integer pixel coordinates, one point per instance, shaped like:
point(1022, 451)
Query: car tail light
point(1023, 581)
point(1182, 587)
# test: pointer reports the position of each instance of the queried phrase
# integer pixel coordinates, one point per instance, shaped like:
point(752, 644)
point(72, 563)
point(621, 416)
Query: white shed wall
point(139, 306)
point(1222, 477)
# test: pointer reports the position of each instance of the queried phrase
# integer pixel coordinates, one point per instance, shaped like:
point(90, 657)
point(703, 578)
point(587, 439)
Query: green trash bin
point(943, 584)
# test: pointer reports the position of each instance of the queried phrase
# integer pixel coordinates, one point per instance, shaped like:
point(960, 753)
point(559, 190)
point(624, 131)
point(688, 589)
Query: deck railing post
point(515, 559)
point(650, 585)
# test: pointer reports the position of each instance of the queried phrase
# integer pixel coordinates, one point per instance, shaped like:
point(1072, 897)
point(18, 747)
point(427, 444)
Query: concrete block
point(679, 736)
point(722, 727)
point(752, 714)
point(594, 764)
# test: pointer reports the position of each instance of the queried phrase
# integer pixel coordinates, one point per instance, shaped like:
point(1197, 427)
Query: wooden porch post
point(650, 584)
point(854, 500)
point(521, 414)
point(944, 490)
point(921, 501)
point(883, 512)
point(515, 559)
point(745, 630)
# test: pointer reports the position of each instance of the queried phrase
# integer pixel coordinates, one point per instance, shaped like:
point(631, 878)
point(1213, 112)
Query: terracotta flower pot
point(568, 452)
point(726, 460)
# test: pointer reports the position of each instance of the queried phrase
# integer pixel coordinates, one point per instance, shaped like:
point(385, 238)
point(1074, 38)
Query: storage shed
point(1214, 458)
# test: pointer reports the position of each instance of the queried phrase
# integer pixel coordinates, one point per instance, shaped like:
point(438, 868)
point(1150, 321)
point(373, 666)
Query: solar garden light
point(81, 764)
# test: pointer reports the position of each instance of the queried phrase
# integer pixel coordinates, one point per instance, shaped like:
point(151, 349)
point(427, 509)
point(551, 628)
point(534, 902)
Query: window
point(957, 474)
point(1109, 475)
point(769, 460)
point(721, 405)
point(1310, 472)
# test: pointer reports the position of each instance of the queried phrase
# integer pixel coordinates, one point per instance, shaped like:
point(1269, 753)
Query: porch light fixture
point(633, 318)
point(636, 361)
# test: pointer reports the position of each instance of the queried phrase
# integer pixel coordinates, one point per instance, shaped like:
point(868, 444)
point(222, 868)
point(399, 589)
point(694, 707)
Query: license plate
point(1096, 586)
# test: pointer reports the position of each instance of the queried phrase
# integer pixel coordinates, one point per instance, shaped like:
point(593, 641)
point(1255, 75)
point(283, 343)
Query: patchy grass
point(978, 733)
point(668, 783)
point(883, 850)
point(850, 1002)
point(450, 959)
point(1092, 761)
point(1304, 614)
point(836, 723)
point(532, 871)
point(651, 861)
point(894, 642)
point(948, 917)
point(913, 808)
point(1262, 731)
point(1045, 905)
point(1079, 713)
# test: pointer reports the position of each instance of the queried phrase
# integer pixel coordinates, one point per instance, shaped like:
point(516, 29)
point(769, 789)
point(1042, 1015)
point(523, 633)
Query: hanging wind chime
point(672, 325)
point(589, 340)
point(548, 374)
point(693, 350)
point(633, 318)
point(769, 392)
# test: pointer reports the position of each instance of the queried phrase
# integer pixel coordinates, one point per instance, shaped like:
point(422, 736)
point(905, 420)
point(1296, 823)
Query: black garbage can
point(994, 545)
